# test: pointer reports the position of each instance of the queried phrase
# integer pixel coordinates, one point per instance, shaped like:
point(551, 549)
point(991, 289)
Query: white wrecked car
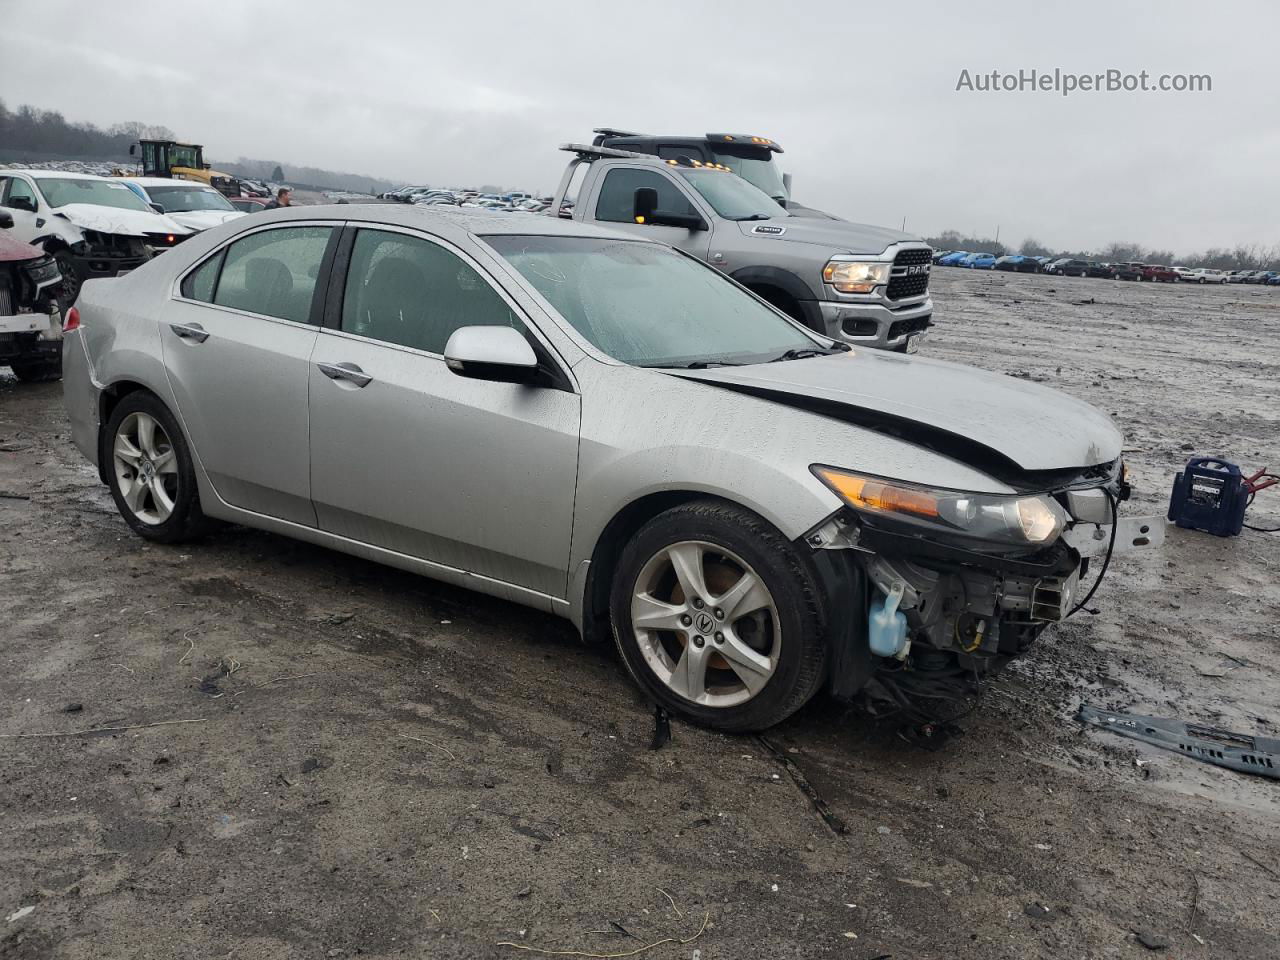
point(195, 206)
point(92, 226)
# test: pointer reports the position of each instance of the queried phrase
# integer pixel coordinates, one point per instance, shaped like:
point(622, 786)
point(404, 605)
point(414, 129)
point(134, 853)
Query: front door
point(237, 344)
point(18, 196)
point(407, 455)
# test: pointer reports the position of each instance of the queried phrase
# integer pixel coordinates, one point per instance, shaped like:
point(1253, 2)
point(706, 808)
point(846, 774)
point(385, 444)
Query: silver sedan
point(601, 427)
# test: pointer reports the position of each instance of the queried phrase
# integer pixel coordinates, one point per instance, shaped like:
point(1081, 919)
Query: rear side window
point(414, 293)
point(199, 283)
point(617, 195)
point(273, 272)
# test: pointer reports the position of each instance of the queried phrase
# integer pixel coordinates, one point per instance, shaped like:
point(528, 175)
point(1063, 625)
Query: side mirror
point(133, 149)
point(156, 207)
point(491, 353)
point(23, 203)
point(644, 209)
point(6, 219)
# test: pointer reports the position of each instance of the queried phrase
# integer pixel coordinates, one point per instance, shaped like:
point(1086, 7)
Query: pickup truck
point(867, 286)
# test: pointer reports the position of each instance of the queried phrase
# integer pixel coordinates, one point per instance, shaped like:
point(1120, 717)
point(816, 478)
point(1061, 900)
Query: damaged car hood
point(921, 400)
point(130, 223)
point(198, 220)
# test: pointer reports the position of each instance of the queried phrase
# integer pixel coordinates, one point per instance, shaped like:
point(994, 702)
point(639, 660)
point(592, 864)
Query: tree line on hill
point(36, 134)
point(1240, 257)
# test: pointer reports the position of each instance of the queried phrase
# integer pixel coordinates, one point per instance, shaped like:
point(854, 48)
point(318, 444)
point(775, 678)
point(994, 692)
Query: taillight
point(71, 321)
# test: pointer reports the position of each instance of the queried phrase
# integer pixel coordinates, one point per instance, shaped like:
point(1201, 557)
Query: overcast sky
point(862, 96)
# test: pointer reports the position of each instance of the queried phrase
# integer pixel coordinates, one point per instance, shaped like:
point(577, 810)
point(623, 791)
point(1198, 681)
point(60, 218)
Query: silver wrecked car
point(602, 427)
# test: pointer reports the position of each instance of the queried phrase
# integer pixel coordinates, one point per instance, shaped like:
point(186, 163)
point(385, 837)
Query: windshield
point(59, 191)
point(184, 199)
point(760, 171)
point(732, 197)
point(646, 305)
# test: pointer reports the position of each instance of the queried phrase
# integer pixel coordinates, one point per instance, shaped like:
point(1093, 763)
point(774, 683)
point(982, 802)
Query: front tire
point(717, 617)
point(150, 473)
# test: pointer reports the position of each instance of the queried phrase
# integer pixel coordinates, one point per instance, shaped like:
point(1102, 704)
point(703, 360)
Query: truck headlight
point(1034, 520)
point(855, 276)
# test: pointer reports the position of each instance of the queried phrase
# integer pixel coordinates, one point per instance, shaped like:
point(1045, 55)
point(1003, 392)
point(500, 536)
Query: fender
point(784, 280)
point(788, 283)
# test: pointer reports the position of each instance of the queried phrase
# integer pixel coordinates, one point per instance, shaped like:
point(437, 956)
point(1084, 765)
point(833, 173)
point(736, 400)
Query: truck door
point(614, 205)
point(19, 197)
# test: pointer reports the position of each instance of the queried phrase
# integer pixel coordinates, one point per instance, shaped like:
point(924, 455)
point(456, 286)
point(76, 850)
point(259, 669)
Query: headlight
point(851, 277)
point(983, 516)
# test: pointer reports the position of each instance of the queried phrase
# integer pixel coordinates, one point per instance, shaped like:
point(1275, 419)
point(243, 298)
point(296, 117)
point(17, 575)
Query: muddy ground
point(373, 764)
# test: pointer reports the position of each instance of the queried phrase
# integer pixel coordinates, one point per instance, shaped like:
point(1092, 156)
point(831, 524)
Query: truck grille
point(906, 279)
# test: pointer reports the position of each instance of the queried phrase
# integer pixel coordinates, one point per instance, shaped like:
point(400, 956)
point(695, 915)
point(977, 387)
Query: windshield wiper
point(692, 365)
point(753, 216)
point(800, 353)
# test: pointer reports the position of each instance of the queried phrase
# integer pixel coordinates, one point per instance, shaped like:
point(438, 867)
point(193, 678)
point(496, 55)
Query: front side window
point(414, 293)
point(274, 272)
point(617, 195)
point(646, 305)
point(20, 189)
point(60, 191)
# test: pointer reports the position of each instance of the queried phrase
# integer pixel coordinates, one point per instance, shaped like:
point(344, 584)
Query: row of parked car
point(467, 197)
point(1074, 267)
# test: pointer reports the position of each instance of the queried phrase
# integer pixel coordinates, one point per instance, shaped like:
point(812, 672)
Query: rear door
point(237, 341)
point(407, 455)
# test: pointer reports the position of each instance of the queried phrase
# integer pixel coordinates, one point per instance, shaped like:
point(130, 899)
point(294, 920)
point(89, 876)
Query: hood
point(836, 234)
point(197, 220)
point(964, 411)
point(13, 250)
point(130, 223)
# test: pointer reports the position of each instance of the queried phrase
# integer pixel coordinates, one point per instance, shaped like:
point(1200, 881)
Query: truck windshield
point(732, 197)
point(646, 305)
point(761, 172)
point(59, 191)
point(184, 199)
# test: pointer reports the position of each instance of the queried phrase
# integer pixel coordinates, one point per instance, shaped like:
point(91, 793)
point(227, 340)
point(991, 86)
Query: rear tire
point(746, 650)
point(149, 470)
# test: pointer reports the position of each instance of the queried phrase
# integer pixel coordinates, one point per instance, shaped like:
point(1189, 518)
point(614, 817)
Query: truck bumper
point(29, 336)
point(877, 325)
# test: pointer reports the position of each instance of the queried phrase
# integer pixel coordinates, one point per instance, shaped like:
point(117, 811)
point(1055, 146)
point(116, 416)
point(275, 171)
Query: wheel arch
point(782, 289)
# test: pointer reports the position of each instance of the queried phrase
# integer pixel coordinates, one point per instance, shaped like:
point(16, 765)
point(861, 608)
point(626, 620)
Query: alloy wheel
point(146, 468)
point(706, 624)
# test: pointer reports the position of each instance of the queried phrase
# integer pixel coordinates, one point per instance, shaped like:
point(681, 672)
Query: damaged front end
point(100, 254)
point(30, 321)
point(947, 587)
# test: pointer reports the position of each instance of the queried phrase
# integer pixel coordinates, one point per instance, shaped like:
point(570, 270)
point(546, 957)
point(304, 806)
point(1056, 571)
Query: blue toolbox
point(1211, 494)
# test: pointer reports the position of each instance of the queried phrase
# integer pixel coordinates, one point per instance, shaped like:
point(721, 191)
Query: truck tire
point(69, 289)
point(35, 371)
point(149, 471)
point(746, 650)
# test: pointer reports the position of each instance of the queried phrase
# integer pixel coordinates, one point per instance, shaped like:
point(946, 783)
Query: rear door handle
point(190, 331)
point(345, 371)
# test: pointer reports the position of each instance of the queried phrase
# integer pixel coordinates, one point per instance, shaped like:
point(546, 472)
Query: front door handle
point(345, 371)
point(190, 331)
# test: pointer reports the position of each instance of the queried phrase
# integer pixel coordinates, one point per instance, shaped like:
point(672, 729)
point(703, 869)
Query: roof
point(164, 182)
point(472, 220)
point(59, 175)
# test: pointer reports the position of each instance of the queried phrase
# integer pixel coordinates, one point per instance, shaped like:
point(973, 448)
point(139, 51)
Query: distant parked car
point(1043, 261)
point(939, 254)
point(1017, 263)
point(194, 205)
point(1186, 274)
point(249, 204)
point(1206, 275)
point(979, 261)
point(1158, 273)
point(953, 259)
point(1273, 280)
point(1236, 276)
point(1067, 267)
point(1127, 271)
point(1265, 276)
point(1093, 268)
